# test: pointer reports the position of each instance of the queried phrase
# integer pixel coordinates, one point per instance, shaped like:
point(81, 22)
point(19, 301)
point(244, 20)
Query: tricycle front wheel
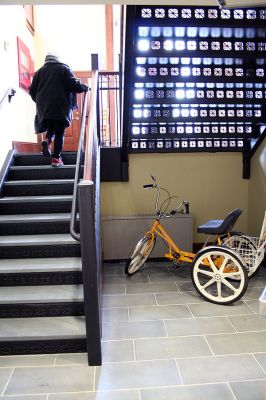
point(140, 254)
point(219, 275)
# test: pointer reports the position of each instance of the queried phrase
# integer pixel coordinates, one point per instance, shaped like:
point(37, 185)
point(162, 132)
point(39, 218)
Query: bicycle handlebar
point(180, 207)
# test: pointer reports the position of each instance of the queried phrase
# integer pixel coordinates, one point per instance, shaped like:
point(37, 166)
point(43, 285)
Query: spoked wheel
point(244, 246)
point(140, 254)
point(219, 275)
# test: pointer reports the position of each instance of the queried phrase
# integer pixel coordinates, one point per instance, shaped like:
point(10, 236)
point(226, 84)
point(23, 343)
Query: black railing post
point(95, 66)
point(90, 270)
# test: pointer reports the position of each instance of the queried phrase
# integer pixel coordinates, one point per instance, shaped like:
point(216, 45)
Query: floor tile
point(125, 279)
point(219, 391)
point(118, 351)
point(244, 323)
point(114, 289)
point(252, 293)
point(157, 268)
point(72, 359)
point(137, 375)
point(172, 276)
point(257, 281)
point(249, 390)
point(198, 326)
point(254, 305)
point(151, 349)
point(186, 286)
point(117, 314)
point(133, 330)
point(219, 369)
point(178, 298)
point(112, 351)
point(163, 278)
point(207, 309)
point(27, 361)
point(159, 312)
point(127, 300)
point(50, 380)
point(5, 374)
point(108, 395)
point(110, 270)
point(261, 358)
point(151, 288)
point(236, 343)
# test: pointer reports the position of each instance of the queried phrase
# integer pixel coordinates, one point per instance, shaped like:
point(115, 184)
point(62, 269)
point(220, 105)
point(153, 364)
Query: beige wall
point(257, 191)
point(212, 183)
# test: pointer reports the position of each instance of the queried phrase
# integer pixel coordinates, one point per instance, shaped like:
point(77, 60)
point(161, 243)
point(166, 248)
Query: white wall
point(16, 117)
point(74, 32)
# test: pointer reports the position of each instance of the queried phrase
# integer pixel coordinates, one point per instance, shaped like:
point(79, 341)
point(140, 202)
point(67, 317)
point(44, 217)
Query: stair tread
point(30, 240)
point(15, 199)
point(19, 167)
point(38, 182)
point(27, 265)
point(41, 294)
point(42, 328)
point(19, 218)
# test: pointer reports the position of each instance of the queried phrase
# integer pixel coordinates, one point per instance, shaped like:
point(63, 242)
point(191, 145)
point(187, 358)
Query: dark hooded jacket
point(52, 90)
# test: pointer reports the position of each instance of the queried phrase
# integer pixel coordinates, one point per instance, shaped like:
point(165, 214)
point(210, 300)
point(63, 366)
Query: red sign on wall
point(25, 65)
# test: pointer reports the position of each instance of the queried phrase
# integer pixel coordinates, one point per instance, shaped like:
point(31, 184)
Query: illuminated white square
point(143, 45)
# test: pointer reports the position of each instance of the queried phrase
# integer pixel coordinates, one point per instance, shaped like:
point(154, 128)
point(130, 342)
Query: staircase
point(41, 296)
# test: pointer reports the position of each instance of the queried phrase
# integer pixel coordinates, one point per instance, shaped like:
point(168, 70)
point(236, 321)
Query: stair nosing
point(38, 182)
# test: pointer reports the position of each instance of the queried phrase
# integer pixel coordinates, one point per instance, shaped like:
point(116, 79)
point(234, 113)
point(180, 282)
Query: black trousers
point(55, 133)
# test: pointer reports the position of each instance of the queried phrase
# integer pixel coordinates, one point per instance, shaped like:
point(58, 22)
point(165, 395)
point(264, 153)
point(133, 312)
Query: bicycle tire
point(140, 254)
point(213, 281)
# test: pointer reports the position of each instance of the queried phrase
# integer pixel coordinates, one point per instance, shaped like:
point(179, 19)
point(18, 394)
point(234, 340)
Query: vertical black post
point(127, 85)
point(90, 270)
point(95, 67)
point(246, 159)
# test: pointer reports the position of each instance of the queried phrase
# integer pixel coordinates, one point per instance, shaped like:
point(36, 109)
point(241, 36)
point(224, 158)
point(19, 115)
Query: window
point(199, 78)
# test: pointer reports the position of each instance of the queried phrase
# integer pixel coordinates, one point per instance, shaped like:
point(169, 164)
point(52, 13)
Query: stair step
point(38, 187)
point(40, 271)
point(42, 335)
point(41, 172)
point(41, 294)
point(39, 301)
point(36, 204)
point(29, 224)
point(42, 328)
point(27, 265)
point(30, 240)
point(39, 159)
point(36, 246)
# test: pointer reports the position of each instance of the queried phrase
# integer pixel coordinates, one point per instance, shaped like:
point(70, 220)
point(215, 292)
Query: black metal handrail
point(86, 199)
point(7, 96)
point(80, 158)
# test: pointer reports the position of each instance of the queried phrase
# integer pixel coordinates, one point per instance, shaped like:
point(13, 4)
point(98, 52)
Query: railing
point(88, 192)
point(7, 96)
point(109, 93)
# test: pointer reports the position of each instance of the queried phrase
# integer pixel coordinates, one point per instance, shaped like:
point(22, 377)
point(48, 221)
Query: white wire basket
point(250, 249)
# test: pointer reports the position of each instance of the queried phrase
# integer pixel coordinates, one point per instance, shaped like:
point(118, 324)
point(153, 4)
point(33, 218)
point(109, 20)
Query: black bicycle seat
point(220, 226)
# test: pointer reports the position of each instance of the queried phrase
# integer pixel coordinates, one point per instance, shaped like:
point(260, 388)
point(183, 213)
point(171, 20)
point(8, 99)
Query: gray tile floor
point(161, 341)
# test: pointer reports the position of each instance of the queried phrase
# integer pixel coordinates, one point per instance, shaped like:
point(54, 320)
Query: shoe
point(46, 148)
point(57, 162)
